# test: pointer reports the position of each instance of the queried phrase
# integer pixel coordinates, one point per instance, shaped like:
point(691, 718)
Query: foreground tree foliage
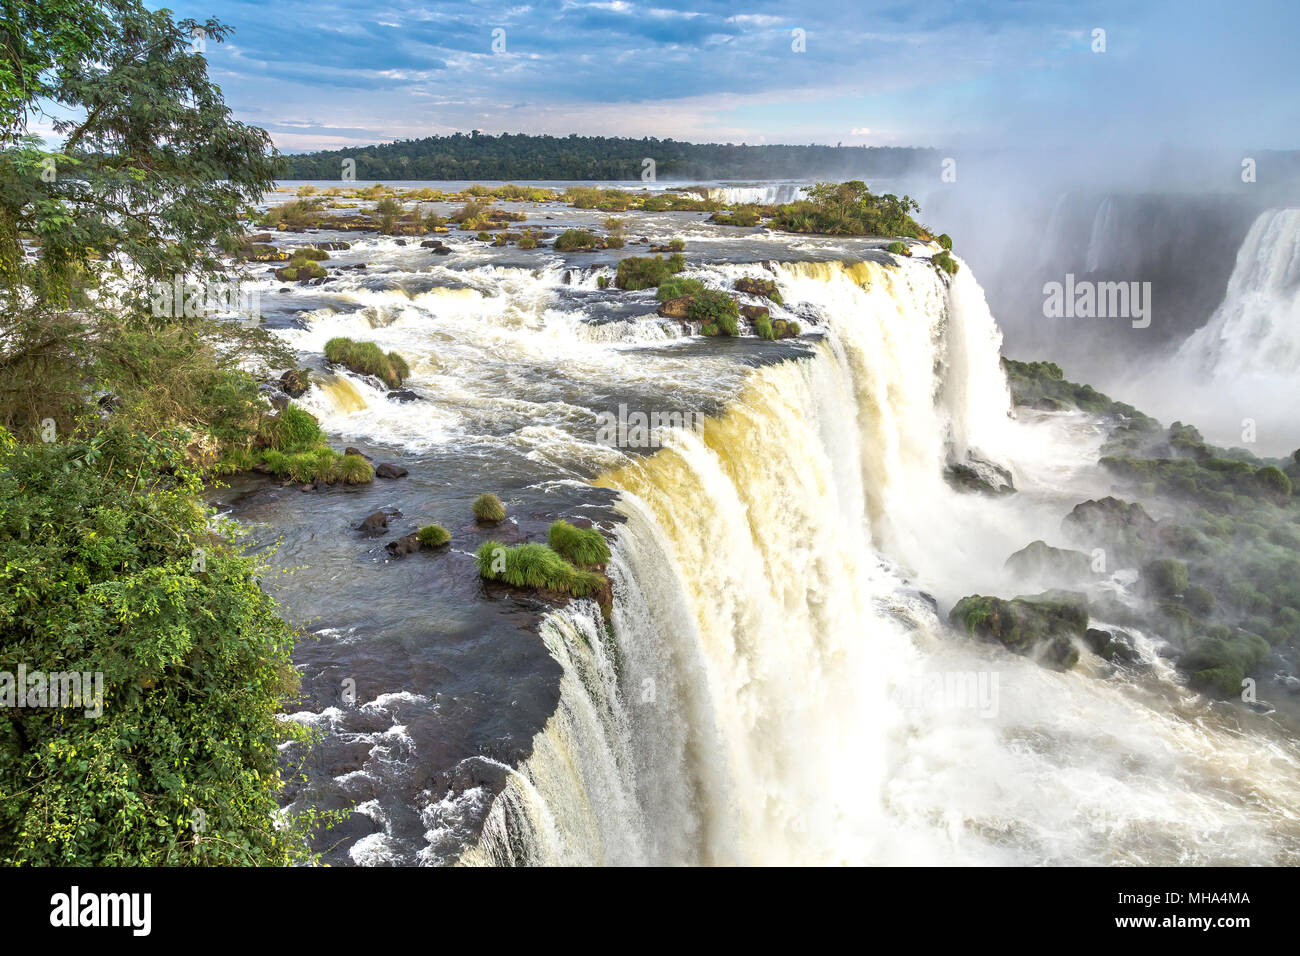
point(110, 416)
point(114, 569)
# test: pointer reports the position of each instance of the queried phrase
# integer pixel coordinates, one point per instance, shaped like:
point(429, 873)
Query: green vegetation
point(111, 566)
point(944, 240)
point(645, 272)
point(785, 329)
point(676, 245)
point(366, 358)
point(433, 536)
point(742, 216)
point(677, 286)
point(581, 546)
point(850, 209)
point(1165, 577)
point(945, 263)
point(536, 566)
point(489, 509)
point(716, 311)
point(898, 248)
point(291, 445)
point(574, 240)
point(519, 156)
point(763, 328)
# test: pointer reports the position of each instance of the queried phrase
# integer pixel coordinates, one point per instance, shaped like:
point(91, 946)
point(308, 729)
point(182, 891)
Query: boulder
point(403, 395)
point(765, 288)
point(753, 312)
point(334, 246)
point(1042, 627)
point(388, 470)
point(1040, 562)
point(374, 522)
point(407, 544)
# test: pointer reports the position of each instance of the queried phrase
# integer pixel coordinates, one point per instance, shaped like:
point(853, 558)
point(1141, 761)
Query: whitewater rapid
point(766, 691)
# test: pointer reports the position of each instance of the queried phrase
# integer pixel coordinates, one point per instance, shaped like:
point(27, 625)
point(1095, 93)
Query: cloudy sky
point(334, 73)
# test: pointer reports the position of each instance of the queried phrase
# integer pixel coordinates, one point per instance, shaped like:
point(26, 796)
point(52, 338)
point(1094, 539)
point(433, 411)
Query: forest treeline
point(515, 156)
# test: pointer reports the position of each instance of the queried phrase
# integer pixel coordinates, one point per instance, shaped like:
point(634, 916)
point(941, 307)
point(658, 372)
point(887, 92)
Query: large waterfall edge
point(766, 689)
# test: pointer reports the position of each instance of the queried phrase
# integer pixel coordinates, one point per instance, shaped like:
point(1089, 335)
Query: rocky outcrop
point(1122, 528)
point(389, 470)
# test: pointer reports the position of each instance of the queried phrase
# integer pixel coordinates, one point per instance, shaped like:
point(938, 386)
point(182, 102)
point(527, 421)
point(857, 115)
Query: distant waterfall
point(1256, 329)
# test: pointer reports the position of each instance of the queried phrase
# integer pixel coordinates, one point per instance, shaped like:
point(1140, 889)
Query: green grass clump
point(293, 430)
point(676, 287)
point(572, 240)
point(944, 240)
point(313, 254)
point(536, 566)
point(433, 536)
point(366, 358)
point(1167, 577)
point(946, 263)
point(1275, 480)
point(644, 272)
point(582, 546)
point(677, 245)
point(898, 248)
point(717, 309)
point(488, 507)
point(763, 328)
point(354, 470)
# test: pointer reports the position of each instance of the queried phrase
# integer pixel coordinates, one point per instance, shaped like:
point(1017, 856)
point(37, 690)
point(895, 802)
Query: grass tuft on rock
point(433, 536)
point(536, 566)
point(489, 509)
point(366, 358)
point(582, 546)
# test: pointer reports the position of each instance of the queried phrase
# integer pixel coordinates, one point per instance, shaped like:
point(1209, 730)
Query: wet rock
point(401, 242)
point(675, 308)
point(753, 312)
point(295, 382)
point(978, 475)
point(374, 522)
point(765, 288)
point(333, 246)
point(1039, 561)
point(403, 395)
point(279, 401)
point(1115, 646)
point(282, 290)
point(407, 544)
point(1125, 529)
point(355, 451)
point(388, 470)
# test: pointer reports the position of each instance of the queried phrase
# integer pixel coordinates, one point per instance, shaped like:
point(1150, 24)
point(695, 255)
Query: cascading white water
point(763, 195)
point(1256, 329)
point(761, 696)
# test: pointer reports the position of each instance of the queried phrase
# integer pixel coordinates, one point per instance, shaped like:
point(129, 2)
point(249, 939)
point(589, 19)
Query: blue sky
point(329, 74)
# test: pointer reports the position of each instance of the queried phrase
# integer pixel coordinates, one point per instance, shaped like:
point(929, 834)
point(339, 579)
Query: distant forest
point(518, 156)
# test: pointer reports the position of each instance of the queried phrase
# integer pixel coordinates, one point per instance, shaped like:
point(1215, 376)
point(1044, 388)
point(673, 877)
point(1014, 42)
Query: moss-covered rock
point(1057, 567)
point(1044, 627)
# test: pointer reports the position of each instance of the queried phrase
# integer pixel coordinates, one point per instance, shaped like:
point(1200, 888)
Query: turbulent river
point(775, 684)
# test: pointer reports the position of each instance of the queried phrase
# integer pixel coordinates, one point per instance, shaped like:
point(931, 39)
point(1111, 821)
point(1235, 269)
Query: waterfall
point(764, 691)
point(1256, 329)
point(1105, 233)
